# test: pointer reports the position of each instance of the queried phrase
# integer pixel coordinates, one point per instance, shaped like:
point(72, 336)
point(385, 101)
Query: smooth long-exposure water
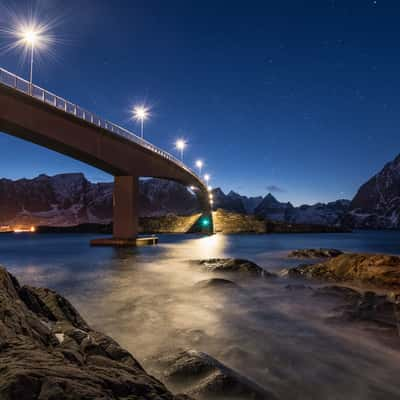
point(145, 298)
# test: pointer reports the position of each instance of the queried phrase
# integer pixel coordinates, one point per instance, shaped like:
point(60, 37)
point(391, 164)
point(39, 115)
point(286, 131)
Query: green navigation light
point(205, 222)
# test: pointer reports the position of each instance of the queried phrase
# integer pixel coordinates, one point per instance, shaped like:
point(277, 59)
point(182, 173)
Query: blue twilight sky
point(298, 96)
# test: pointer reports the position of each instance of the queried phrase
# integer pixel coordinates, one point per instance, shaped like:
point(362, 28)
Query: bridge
point(41, 117)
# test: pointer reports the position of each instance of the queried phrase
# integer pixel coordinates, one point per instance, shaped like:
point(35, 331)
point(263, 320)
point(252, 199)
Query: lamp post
point(141, 113)
point(199, 165)
point(31, 37)
point(180, 145)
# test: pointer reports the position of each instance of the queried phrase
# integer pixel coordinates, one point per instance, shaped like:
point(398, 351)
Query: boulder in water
point(216, 283)
point(315, 253)
point(203, 377)
point(377, 270)
point(233, 265)
point(338, 292)
point(380, 309)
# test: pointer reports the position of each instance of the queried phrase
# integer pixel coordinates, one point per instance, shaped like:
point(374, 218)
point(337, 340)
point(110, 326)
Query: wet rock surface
point(48, 352)
point(382, 310)
point(203, 377)
point(337, 292)
point(233, 265)
point(314, 253)
point(216, 283)
point(374, 311)
point(378, 270)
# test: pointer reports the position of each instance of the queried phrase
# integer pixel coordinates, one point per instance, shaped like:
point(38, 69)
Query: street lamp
point(207, 178)
point(141, 113)
point(31, 36)
point(199, 165)
point(180, 145)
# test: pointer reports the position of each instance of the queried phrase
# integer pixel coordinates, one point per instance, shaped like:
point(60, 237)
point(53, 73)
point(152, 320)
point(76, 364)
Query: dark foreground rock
point(380, 309)
point(371, 309)
point(203, 377)
point(315, 253)
point(48, 352)
point(233, 265)
point(338, 292)
point(377, 270)
point(216, 283)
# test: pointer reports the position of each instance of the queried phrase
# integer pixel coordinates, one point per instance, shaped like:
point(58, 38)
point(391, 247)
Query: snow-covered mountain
point(249, 203)
point(271, 209)
point(377, 202)
point(70, 199)
point(330, 214)
point(235, 202)
point(229, 202)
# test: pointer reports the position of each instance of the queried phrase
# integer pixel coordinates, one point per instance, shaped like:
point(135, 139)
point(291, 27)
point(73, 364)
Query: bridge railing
point(14, 81)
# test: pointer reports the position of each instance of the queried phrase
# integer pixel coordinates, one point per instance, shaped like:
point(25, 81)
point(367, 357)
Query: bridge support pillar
point(126, 207)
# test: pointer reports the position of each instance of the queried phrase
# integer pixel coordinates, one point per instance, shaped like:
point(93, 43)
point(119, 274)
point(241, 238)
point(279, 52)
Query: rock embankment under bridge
point(226, 222)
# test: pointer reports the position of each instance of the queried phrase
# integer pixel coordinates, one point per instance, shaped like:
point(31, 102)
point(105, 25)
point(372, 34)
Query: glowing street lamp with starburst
point(181, 145)
point(31, 36)
point(141, 113)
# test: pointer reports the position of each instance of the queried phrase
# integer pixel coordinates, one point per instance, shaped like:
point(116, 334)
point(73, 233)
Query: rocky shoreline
point(368, 285)
point(49, 352)
point(377, 271)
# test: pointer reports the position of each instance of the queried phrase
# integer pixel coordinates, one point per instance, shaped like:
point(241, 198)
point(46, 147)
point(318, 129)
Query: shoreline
point(355, 308)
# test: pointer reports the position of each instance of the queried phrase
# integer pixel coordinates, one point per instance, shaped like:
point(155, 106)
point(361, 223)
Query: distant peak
point(218, 190)
point(269, 196)
point(72, 175)
point(233, 194)
point(42, 176)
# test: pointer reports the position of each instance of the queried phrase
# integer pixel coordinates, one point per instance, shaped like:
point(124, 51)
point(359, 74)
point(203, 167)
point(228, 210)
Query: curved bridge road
point(38, 116)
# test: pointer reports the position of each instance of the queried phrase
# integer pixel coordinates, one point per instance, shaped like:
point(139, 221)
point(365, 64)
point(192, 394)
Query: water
point(146, 300)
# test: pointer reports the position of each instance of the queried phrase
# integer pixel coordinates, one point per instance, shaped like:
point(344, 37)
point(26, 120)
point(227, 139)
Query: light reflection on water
point(145, 298)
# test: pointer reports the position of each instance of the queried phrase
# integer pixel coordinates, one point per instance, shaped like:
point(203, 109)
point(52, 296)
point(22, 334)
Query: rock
point(233, 265)
point(203, 377)
point(216, 283)
point(376, 270)
point(235, 222)
point(48, 352)
point(60, 308)
point(369, 307)
point(297, 288)
point(376, 308)
point(194, 337)
point(315, 253)
point(377, 202)
point(297, 272)
point(338, 292)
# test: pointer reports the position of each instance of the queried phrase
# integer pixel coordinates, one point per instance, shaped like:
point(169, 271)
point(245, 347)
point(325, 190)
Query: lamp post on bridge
point(199, 165)
point(181, 145)
point(31, 37)
point(141, 113)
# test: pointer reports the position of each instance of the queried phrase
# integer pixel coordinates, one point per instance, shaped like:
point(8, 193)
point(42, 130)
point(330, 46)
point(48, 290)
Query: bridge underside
point(32, 120)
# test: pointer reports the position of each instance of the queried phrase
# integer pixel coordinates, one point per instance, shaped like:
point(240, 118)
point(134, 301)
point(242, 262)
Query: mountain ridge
point(71, 199)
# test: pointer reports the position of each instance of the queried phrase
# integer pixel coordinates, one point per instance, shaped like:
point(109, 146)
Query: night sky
point(300, 98)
